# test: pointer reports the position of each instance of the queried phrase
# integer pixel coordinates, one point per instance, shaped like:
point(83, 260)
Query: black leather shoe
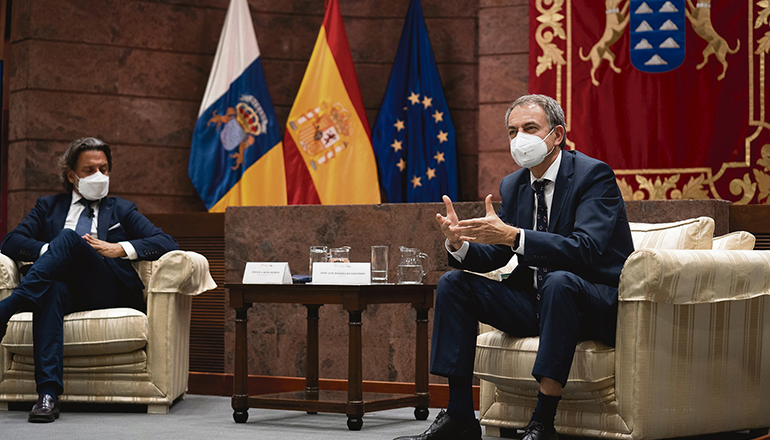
point(536, 431)
point(46, 410)
point(446, 428)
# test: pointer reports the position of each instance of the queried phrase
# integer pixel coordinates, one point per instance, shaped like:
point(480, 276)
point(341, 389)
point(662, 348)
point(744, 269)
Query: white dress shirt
point(76, 208)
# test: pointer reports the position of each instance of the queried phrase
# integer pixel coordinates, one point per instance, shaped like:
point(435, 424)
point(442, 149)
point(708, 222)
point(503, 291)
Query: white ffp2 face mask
point(93, 187)
point(529, 150)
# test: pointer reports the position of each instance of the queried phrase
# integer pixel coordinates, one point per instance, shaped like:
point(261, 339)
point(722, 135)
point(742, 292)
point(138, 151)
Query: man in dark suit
point(82, 244)
point(563, 217)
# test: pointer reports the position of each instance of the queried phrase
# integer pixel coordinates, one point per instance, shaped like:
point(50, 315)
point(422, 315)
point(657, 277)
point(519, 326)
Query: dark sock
point(11, 305)
point(49, 389)
point(460, 406)
point(545, 411)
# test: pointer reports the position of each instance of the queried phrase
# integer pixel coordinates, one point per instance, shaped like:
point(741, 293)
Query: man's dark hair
point(553, 112)
point(69, 160)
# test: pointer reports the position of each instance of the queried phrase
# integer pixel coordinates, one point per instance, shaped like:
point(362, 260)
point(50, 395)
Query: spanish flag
point(327, 146)
point(236, 157)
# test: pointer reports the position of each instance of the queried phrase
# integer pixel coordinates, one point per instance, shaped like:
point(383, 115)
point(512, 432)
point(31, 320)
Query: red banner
point(670, 129)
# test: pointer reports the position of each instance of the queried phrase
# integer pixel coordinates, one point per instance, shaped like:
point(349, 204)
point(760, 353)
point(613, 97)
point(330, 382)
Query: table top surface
point(354, 297)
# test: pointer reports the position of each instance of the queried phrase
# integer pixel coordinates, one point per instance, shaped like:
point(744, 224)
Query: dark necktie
point(541, 225)
point(84, 221)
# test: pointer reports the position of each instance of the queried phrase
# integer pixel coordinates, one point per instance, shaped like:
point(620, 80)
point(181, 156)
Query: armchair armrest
point(182, 272)
point(9, 273)
point(694, 276)
point(691, 329)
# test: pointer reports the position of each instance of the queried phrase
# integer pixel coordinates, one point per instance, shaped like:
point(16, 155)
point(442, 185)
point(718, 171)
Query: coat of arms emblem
point(241, 124)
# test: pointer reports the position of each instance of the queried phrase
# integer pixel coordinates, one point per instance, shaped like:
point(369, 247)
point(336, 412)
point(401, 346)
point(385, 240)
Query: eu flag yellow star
point(416, 181)
point(427, 102)
point(399, 125)
point(401, 164)
point(431, 173)
point(396, 145)
point(414, 98)
point(442, 136)
point(439, 157)
point(438, 116)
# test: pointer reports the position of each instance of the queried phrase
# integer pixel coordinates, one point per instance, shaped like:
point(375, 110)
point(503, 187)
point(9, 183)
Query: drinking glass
point(318, 254)
point(379, 264)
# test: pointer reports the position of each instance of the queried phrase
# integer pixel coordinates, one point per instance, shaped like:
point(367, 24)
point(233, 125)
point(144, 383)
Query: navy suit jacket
point(119, 220)
point(588, 228)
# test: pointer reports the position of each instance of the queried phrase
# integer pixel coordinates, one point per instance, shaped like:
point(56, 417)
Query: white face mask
point(93, 187)
point(529, 150)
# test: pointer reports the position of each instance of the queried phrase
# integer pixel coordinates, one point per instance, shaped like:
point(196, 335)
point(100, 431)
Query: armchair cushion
point(91, 333)
point(507, 361)
point(735, 241)
point(693, 233)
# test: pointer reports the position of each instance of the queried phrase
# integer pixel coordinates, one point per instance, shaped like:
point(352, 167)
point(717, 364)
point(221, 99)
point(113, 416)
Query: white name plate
point(342, 273)
point(267, 273)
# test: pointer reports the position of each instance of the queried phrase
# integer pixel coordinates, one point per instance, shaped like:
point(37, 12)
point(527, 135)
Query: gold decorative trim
point(661, 182)
point(550, 27)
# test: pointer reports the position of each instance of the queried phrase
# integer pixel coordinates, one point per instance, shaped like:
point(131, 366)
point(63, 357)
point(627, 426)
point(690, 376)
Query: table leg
point(240, 401)
point(355, 406)
point(311, 353)
point(421, 366)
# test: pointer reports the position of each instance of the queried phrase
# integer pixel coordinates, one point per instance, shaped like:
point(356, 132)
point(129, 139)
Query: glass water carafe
point(410, 269)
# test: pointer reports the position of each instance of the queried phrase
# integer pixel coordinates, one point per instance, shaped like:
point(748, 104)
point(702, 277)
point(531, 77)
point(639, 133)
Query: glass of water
point(379, 264)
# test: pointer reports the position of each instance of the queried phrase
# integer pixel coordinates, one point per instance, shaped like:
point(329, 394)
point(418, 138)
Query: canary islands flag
point(236, 156)
point(328, 148)
point(414, 138)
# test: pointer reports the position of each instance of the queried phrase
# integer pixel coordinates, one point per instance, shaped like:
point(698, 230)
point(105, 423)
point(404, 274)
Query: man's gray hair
point(69, 160)
point(553, 112)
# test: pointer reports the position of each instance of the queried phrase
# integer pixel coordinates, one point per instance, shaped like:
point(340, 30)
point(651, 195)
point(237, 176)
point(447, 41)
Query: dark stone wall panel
point(169, 27)
point(492, 168)
point(504, 30)
point(453, 40)
point(503, 77)
point(33, 165)
point(19, 66)
point(150, 170)
point(469, 176)
point(151, 204)
point(67, 116)
point(72, 20)
point(283, 80)
point(163, 74)
point(156, 121)
point(73, 67)
point(493, 135)
point(460, 83)
point(377, 40)
point(498, 3)
point(466, 131)
point(275, 34)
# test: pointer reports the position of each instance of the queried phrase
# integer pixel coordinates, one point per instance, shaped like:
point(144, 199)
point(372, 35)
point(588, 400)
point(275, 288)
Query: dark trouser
point(571, 309)
point(70, 277)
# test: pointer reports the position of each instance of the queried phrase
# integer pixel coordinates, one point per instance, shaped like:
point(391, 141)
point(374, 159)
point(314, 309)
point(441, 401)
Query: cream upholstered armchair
point(115, 355)
point(692, 352)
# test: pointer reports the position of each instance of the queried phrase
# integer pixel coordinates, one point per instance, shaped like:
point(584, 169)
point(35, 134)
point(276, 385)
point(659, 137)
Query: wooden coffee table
point(354, 299)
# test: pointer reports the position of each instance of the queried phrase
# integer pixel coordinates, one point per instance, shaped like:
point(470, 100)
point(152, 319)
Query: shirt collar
point(76, 200)
point(551, 173)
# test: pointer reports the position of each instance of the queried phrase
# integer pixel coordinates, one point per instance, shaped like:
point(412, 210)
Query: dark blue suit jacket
point(119, 220)
point(588, 229)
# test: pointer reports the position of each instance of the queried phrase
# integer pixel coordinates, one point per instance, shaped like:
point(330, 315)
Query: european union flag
point(414, 139)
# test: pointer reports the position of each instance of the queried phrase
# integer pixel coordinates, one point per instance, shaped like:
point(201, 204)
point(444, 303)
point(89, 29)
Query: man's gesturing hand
point(447, 222)
point(487, 230)
point(109, 250)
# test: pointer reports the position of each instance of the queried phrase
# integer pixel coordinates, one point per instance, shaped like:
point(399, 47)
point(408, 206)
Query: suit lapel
point(562, 188)
point(105, 214)
point(59, 215)
point(526, 204)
